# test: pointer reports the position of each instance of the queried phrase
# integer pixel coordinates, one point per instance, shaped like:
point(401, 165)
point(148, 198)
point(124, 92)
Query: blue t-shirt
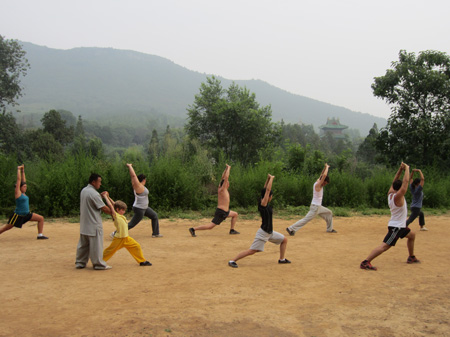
point(22, 205)
point(417, 195)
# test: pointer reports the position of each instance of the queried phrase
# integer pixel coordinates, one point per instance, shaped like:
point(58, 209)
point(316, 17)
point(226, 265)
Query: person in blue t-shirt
point(416, 188)
point(22, 212)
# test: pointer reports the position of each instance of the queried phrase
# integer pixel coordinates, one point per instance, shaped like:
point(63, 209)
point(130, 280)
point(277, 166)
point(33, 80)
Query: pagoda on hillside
point(334, 127)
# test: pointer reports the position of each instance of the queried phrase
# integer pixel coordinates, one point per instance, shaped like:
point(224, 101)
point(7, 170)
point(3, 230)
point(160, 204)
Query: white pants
point(314, 210)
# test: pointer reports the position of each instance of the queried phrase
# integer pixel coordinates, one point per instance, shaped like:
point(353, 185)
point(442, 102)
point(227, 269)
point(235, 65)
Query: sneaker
point(112, 234)
point(366, 265)
point(157, 235)
point(412, 259)
point(80, 266)
point(145, 263)
point(232, 231)
point(423, 228)
point(192, 231)
point(42, 237)
point(232, 264)
point(106, 268)
point(290, 232)
point(284, 261)
point(332, 231)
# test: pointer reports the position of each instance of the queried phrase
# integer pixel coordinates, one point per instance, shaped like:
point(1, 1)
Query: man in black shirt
point(266, 232)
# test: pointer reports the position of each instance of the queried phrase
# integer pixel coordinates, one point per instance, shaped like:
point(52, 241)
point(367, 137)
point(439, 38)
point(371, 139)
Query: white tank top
point(317, 196)
point(141, 200)
point(398, 214)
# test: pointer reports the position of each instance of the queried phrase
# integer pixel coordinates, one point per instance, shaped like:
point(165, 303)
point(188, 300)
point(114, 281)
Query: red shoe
point(412, 259)
point(366, 265)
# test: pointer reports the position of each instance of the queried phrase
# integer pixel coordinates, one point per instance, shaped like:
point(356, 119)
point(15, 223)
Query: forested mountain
point(130, 87)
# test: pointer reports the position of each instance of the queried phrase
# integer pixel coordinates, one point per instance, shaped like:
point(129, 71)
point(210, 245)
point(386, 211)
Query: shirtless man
point(223, 207)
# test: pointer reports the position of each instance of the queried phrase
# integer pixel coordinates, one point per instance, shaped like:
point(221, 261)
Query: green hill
point(109, 85)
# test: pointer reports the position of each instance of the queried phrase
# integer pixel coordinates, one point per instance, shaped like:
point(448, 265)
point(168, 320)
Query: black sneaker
point(284, 261)
point(412, 259)
point(192, 231)
point(42, 237)
point(232, 231)
point(366, 265)
point(232, 264)
point(332, 231)
point(290, 232)
point(145, 263)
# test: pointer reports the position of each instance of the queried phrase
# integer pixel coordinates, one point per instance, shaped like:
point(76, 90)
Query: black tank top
point(266, 216)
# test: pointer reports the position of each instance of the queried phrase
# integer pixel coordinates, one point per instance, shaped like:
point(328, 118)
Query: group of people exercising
point(90, 244)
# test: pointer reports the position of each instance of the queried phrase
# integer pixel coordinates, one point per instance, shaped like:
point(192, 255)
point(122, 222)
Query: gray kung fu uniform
point(90, 245)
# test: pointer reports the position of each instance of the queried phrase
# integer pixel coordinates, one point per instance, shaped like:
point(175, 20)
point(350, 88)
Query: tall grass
point(187, 180)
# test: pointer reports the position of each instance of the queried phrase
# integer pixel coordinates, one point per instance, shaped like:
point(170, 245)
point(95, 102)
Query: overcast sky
point(327, 50)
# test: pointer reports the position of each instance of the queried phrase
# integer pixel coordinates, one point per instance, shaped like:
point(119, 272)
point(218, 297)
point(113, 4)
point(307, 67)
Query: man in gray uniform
point(91, 227)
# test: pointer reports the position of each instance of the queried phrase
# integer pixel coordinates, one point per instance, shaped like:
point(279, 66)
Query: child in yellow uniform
point(121, 238)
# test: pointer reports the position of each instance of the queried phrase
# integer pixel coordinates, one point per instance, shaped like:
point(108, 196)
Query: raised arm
point(110, 204)
point(399, 195)
point(422, 178)
point(137, 186)
point(20, 174)
point(322, 177)
point(399, 172)
point(225, 175)
point(268, 187)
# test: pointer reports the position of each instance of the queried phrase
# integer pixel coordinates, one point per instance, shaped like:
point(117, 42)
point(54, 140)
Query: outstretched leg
point(5, 228)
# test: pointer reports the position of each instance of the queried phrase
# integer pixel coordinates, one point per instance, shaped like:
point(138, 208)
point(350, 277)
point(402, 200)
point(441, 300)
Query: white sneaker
point(423, 228)
point(112, 235)
point(157, 236)
point(106, 268)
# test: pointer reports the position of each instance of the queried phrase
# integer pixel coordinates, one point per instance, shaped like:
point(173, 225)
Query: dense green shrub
point(181, 180)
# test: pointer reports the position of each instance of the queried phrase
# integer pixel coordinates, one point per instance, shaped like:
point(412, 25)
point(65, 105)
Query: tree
point(13, 65)
point(231, 121)
point(418, 88)
point(9, 133)
point(56, 126)
point(367, 150)
point(153, 148)
point(43, 145)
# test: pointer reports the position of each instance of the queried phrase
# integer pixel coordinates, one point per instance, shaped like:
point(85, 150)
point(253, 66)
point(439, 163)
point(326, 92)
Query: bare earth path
point(190, 290)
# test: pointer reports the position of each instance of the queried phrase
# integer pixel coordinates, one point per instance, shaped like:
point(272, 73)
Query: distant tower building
point(335, 127)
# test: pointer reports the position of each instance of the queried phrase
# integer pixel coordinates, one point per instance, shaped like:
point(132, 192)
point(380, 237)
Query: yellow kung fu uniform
point(121, 239)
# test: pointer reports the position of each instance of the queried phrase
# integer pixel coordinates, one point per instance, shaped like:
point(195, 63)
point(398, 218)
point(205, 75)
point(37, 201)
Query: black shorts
point(219, 216)
point(394, 233)
point(18, 220)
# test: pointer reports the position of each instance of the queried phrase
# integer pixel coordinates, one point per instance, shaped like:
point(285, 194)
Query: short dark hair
point(327, 179)
point(94, 177)
point(263, 193)
point(141, 177)
point(397, 184)
point(416, 181)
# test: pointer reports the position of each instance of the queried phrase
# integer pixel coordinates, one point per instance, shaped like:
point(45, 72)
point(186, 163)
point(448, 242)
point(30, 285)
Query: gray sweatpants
point(139, 214)
point(314, 210)
point(90, 247)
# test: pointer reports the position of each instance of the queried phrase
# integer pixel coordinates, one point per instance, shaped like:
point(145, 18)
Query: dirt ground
point(191, 291)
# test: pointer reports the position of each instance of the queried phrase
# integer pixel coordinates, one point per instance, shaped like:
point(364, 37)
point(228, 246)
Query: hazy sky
point(327, 50)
